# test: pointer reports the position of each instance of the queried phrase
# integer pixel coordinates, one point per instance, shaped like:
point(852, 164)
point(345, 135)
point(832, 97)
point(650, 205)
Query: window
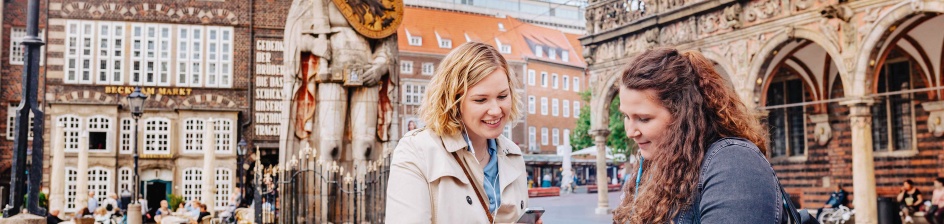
point(538, 51)
point(99, 181)
point(786, 125)
point(543, 79)
point(193, 183)
point(543, 136)
point(554, 81)
point(445, 43)
point(219, 59)
point(414, 40)
point(577, 109)
point(565, 56)
point(189, 64)
point(576, 84)
point(72, 177)
point(505, 48)
point(554, 107)
point(566, 82)
point(531, 107)
point(223, 128)
point(428, 68)
point(556, 136)
point(126, 132)
point(193, 131)
point(70, 131)
point(99, 134)
point(893, 116)
point(532, 138)
point(406, 67)
point(566, 136)
point(124, 180)
point(224, 185)
point(530, 77)
point(467, 2)
point(413, 94)
point(507, 131)
point(17, 50)
point(552, 53)
point(156, 136)
point(566, 109)
point(11, 122)
point(501, 27)
point(543, 105)
point(110, 53)
point(78, 68)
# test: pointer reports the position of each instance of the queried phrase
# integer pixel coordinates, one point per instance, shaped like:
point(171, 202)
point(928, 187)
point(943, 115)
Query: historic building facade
point(192, 60)
point(850, 90)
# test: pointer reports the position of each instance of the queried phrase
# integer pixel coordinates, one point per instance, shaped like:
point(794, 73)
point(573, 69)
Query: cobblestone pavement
point(574, 208)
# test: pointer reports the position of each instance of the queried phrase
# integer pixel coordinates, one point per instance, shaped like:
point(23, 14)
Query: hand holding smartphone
point(531, 215)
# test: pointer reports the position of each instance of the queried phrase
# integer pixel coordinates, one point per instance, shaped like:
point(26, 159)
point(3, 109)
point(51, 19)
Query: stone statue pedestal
point(134, 214)
point(24, 219)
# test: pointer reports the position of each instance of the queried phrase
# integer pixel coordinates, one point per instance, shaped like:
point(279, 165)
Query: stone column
point(863, 163)
point(209, 167)
point(332, 110)
point(599, 138)
point(57, 187)
point(81, 195)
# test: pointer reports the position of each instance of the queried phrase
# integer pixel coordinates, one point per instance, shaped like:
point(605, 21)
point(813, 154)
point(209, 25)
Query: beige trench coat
point(427, 185)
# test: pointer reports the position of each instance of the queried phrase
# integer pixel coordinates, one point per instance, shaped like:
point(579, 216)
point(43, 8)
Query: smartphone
point(531, 215)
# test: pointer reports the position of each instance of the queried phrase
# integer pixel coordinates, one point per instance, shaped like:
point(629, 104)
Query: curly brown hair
point(704, 110)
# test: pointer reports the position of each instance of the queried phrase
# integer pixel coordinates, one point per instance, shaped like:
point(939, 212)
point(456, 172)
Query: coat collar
point(455, 142)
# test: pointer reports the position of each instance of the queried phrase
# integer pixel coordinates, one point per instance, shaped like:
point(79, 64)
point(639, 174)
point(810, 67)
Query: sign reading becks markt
point(268, 88)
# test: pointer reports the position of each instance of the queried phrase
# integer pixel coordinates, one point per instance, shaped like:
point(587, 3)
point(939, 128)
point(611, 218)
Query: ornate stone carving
point(765, 9)
point(936, 117)
point(723, 20)
point(107, 10)
point(679, 32)
point(588, 53)
point(822, 132)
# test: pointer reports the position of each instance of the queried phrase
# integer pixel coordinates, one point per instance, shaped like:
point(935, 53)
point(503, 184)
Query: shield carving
point(374, 19)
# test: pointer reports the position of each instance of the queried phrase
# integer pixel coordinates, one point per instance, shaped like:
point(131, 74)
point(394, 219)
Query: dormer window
point(552, 53)
point(445, 43)
point(414, 40)
point(565, 56)
point(501, 27)
point(538, 51)
point(504, 48)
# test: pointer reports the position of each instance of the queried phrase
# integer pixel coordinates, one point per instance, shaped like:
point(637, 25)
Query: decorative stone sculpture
point(823, 132)
point(333, 50)
point(936, 118)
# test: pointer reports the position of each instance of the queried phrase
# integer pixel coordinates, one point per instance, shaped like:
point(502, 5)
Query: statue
point(335, 50)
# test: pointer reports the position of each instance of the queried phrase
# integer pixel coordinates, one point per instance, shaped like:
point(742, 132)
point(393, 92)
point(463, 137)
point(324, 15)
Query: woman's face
point(938, 184)
point(484, 107)
point(644, 118)
point(411, 125)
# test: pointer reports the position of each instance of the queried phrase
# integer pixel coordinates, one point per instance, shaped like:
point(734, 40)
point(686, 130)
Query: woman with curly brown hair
point(702, 151)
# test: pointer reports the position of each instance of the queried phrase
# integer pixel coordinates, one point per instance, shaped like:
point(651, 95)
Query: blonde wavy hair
point(461, 69)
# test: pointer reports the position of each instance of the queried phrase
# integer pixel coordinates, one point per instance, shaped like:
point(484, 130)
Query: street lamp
point(136, 101)
point(241, 154)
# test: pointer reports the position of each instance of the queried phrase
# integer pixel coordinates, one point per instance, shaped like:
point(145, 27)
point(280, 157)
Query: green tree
point(617, 140)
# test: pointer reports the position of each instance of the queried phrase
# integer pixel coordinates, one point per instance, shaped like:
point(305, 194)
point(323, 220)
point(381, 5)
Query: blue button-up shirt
point(491, 174)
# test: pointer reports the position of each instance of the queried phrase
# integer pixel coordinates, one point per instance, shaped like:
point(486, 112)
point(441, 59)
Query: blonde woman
point(459, 168)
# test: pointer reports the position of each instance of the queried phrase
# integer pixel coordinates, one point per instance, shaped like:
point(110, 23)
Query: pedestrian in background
point(909, 200)
point(448, 172)
point(701, 150)
point(935, 214)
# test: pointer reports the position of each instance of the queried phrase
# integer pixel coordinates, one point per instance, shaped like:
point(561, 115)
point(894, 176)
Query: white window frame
point(192, 135)
point(126, 132)
point(124, 179)
point(565, 56)
point(554, 81)
point(544, 139)
point(224, 186)
point(153, 143)
point(110, 53)
point(566, 108)
point(224, 129)
point(555, 133)
point(190, 64)
point(72, 177)
point(79, 57)
point(17, 50)
point(576, 84)
point(101, 124)
point(428, 68)
point(445, 43)
point(406, 67)
point(505, 48)
point(577, 109)
point(538, 51)
point(544, 79)
point(531, 107)
point(192, 181)
point(414, 40)
point(532, 136)
point(71, 127)
point(413, 93)
point(543, 105)
point(555, 107)
point(552, 53)
point(100, 182)
point(219, 60)
point(565, 80)
point(11, 122)
point(506, 131)
point(531, 77)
